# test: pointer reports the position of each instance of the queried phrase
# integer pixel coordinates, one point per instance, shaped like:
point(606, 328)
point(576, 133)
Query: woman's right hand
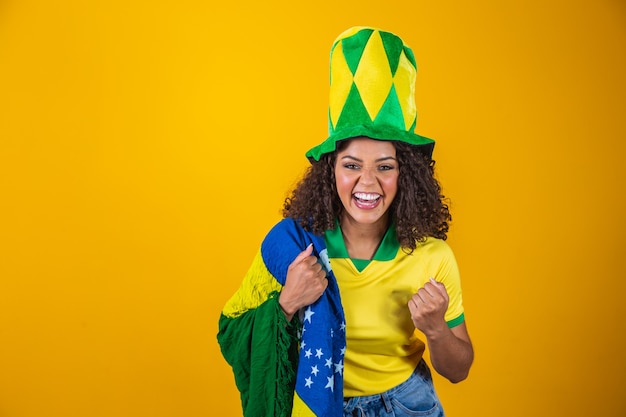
point(305, 283)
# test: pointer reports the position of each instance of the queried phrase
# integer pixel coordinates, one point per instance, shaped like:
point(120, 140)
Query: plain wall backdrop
point(146, 149)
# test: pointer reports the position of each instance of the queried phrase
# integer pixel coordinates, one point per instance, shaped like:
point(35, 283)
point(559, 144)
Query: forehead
point(366, 146)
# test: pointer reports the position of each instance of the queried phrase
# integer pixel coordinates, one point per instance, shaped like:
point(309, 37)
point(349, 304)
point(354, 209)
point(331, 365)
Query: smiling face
point(366, 175)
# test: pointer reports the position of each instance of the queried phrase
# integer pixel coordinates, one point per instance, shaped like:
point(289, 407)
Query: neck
point(362, 240)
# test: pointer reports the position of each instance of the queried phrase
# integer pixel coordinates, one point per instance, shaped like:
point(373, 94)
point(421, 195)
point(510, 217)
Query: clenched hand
point(305, 283)
point(428, 307)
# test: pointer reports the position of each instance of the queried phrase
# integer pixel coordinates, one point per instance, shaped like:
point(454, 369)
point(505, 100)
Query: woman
point(325, 321)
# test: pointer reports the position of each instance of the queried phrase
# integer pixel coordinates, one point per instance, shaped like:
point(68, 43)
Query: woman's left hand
point(428, 307)
point(451, 351)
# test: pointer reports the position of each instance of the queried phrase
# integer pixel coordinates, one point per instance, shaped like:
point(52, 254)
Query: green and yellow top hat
point(372, 91)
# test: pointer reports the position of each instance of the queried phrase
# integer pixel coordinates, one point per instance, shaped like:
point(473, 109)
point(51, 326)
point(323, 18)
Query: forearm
point(450, 355)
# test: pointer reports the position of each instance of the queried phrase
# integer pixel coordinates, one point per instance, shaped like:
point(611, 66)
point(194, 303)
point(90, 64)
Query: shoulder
point(281, 245)
point(436, 253)
point(434, 246)
point(439, 256)
point(286, 232)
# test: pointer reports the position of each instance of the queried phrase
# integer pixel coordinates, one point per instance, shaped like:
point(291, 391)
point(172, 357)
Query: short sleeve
point(448, 274)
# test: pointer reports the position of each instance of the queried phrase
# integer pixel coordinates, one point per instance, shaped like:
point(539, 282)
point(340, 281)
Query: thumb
point(439, 285)
point(303, 255)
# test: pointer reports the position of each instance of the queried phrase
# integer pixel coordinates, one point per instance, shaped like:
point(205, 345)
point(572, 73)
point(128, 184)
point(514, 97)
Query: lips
point(366, 200)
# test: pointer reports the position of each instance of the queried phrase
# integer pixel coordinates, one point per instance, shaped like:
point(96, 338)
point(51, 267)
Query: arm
point(451, 350)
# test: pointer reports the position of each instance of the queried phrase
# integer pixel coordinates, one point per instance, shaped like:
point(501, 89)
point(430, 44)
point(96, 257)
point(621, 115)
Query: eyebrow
point(384, 158)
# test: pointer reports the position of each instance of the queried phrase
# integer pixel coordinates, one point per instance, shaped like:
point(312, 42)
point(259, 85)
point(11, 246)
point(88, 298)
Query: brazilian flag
point(285, 368)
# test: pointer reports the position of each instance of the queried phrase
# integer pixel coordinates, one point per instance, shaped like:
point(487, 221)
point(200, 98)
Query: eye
point(386, 167)
point(350, 165)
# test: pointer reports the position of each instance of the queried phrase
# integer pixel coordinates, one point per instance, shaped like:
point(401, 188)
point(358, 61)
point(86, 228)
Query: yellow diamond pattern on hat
point(405, 88)
point(373, 77)
point(340, 84)
point(372, 91)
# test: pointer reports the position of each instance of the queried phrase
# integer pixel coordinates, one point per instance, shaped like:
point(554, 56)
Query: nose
point(368, 176)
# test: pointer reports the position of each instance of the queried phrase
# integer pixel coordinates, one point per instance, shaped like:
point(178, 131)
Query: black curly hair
point(419, 209)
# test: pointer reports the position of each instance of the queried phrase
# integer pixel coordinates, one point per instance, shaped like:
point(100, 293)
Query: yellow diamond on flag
point(373, 77)
point(340, 84)
point(405, 89)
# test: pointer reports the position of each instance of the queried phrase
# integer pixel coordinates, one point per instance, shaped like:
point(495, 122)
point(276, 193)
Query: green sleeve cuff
point(455, 322)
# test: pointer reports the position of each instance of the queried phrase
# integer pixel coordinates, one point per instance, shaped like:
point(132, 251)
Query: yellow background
point(146, 148)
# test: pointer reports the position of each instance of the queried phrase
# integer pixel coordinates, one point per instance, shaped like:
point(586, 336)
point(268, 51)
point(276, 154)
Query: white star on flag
point(329, 363)
point(339, 368)
point(318, 353)
point(308, 313)
point(308, 353)
point(331, 383)
point(314, 370)
point(308, 382)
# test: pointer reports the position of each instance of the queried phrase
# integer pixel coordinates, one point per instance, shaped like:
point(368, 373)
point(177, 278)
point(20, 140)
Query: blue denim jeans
point(414, 397)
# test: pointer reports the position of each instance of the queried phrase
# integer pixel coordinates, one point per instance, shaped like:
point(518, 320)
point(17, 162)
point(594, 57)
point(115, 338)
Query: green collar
point(337, 246)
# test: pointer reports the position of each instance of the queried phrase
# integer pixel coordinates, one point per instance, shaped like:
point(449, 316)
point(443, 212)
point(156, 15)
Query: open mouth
point(366, 200)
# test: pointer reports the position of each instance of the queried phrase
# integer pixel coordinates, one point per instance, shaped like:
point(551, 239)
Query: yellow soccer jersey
point(383, 347)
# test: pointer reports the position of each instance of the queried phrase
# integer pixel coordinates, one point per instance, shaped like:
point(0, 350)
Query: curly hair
point(419, 209)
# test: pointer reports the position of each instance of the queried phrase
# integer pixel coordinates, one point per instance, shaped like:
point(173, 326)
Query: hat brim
point(374, 132)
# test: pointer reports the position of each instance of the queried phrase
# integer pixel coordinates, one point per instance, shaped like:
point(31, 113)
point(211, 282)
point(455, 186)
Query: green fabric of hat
point(372, 91)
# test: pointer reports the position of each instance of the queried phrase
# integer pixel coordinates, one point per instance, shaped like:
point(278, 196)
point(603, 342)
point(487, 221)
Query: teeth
point(367, 196)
